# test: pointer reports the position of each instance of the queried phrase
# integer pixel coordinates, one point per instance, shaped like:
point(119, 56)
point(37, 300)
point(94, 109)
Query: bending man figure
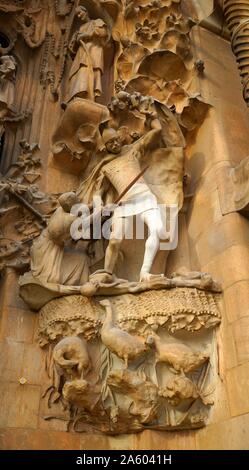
point(138, 201)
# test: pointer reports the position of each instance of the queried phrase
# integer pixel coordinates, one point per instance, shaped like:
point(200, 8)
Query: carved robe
point(47, 254)
point(7, 87)
point(88, 65)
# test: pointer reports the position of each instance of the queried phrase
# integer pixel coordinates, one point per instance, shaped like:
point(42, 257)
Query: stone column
point(237, 17)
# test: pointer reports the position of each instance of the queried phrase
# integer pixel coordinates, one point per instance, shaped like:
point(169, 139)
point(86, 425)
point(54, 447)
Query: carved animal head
point(67, 200)
point(150, 340)
point(70, 356)
point(82, 14)
point(75, 391)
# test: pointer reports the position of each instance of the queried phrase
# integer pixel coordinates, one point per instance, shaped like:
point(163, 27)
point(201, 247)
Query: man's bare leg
point(116, 237)
point(154, 223)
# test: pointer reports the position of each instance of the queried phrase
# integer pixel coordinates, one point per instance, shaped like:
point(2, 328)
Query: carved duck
point(120, 342)
point(177, 355)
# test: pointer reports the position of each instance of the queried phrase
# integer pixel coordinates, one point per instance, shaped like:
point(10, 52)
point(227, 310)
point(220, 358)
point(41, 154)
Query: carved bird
point(180, 357)
point(120, 342)
point(71, 357)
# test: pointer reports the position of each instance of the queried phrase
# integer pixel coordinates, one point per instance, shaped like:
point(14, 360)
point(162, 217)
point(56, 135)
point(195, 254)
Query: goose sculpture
point(127, 347)
point(180, 357)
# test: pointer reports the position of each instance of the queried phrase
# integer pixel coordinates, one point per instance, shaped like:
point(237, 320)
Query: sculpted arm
point(151, 139)
point(102, 186)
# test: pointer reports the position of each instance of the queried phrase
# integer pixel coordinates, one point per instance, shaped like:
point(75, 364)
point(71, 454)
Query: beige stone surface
point(19, 405)
point(237, 380)
point(51, 440)
point(230, 265)
point(220, 411)
point(232, 434)
point(227, 354)
point(231, 139)
point(18, 439)
point(60, 178)
point(240, 329)
point(17, 324)
point(33, 368)
point(236, 298)
point(11, 363)
point(10, 291)
point(231, 230)
point(182, 440)
point(203, 212)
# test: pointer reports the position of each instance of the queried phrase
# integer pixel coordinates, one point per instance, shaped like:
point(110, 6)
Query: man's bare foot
point(102, 276)
point(145, 277)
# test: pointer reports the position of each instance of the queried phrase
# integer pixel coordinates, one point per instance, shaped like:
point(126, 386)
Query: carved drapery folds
point(235, 180)
point(237, 17)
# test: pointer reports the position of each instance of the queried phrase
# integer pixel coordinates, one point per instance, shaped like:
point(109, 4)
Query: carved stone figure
point(179, 389)
point(144, 394)
point(71, 357)
point(138, 200)
point(48, 250)
point(28, 163)
point(179, 356)
point(126, 346)
point(7, 85)
point(125, 349)
point(78, 135)
point(120, 168)
point(88, 65)
point(84, 395)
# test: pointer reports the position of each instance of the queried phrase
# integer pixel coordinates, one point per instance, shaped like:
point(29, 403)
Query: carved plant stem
point(237, 17)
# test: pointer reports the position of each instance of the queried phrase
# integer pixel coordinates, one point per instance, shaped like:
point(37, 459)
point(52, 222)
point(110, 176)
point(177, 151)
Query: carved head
point(82, 13)
point(135, 99)
point(67, 200)
point(70, 356)
point(147, 105)
point(150, 340)
point(112, 141)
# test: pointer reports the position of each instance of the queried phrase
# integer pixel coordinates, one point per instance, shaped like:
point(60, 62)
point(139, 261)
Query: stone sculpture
point(47, 251)
point(8, 67)
point(179, 356)
point(88, 64)
point(7, 87)
point(71, 357)
point(112, 315)
point(120, 342)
